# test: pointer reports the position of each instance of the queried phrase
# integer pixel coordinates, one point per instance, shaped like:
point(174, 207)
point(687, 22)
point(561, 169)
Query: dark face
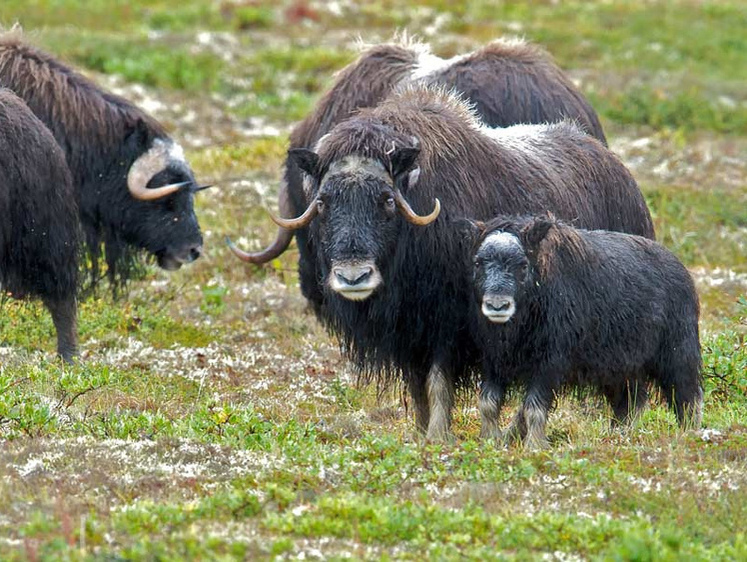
point(172, 232)
point(357, 225)
point(500, 271)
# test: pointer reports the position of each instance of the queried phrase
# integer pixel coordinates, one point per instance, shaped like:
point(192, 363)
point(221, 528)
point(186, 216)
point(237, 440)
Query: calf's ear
point(306, 159)
point(534, 233)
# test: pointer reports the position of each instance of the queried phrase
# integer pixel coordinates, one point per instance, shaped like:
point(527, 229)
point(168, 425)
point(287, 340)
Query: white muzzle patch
point(355, 281)
point(498, 308)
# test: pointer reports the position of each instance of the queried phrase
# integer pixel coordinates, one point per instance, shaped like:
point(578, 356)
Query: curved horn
point(411, 215)
point(148, 165)
point(272, 251)
point(283, 237)
point(294, 224)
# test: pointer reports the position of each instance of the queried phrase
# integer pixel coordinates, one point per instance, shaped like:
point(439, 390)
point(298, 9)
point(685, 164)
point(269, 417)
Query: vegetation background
point(211, 418)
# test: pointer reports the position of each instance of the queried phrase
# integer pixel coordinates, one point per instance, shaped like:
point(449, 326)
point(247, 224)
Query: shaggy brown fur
point(507, 81)
point(415, 323)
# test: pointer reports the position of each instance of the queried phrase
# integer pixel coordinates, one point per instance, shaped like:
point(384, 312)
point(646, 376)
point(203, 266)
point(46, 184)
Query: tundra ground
point(212, 418)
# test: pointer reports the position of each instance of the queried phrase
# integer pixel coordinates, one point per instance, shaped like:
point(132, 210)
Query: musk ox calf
point(508, 81)
point(562, 307)
point(39, 237)
point(384, 187)
point(133, 187)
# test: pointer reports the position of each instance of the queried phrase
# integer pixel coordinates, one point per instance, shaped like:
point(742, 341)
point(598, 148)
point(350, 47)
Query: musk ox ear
point(535, 232)
point(402, 162)
point(469, 228)
point(138, 137)
point(306, 159)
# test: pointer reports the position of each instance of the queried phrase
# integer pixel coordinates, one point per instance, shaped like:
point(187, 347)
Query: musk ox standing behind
point(133, 187)
point(508, 81)
point(557, 307)
point(39, 240)
point(391, 280)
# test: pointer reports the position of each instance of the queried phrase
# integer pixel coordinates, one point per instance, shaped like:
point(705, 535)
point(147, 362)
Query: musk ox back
point(387, 265)
point(508, 81)
point(133, 187)
point(39, 236)
point(555, 307)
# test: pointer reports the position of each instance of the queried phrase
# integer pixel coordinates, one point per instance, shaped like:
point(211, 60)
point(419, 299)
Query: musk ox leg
point(419, 397)
point(440, 401)
point(529, 422)
point(490, 404)
point(65, 317)
point(686, 398)
point(681, 383)
point(536, 407)
point(627, 401)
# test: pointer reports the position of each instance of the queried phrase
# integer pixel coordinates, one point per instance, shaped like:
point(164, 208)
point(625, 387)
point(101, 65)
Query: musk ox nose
point(194, 252)
point(354, 280)
point(352, 276)
point(498, 308)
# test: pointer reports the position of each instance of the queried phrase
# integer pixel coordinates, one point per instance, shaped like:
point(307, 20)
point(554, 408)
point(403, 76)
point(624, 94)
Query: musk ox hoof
point(536, 444)
point(492, 433)
point(442, 437)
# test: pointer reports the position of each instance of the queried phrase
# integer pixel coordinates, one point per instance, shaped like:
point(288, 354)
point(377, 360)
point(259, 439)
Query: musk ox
point(390, 277)
point(557, 306)
point(508, 81)
point(133, 187)
point(39, 233)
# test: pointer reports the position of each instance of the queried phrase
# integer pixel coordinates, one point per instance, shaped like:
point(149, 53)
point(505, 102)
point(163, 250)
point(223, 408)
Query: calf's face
point(501, 269)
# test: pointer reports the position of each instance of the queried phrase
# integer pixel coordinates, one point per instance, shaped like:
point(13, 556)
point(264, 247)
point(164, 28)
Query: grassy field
point(211, 418)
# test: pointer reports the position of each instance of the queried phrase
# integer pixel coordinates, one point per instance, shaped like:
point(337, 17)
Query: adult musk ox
point(39, 235)
point(388, 266)
point(133, 187)
point(508, 81)
point(557, 306)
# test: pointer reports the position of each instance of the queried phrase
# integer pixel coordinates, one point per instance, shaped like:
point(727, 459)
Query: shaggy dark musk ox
point(555, 307)
point(508, 81)
point(39, 237)
point(394, 289)
point(133, 187)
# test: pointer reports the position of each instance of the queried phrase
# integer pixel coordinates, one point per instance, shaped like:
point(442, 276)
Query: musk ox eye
point(320, 206)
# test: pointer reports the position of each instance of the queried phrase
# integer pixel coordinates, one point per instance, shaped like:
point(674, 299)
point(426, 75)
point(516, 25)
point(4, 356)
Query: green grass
point(211, 416)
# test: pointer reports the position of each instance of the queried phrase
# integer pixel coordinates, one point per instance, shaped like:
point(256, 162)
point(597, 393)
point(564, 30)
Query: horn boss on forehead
point(150, 163)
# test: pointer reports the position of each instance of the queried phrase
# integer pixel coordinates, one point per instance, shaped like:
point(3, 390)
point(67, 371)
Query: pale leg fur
point(440, 402)
point(535, 416)
point(490, 404)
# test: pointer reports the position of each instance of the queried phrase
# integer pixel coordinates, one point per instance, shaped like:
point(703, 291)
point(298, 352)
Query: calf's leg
point(490, 403)
point(535, 409)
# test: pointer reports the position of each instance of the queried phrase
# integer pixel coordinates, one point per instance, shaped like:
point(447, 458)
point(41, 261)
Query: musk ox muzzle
point(498, 308)
point(171, 260)
point(354, 280)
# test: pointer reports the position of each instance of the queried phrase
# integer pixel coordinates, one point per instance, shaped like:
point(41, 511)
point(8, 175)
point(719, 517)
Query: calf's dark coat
point(508, 81)
point(121, 161)
point(39, 237)
point(396, 292)
point(557, 306)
